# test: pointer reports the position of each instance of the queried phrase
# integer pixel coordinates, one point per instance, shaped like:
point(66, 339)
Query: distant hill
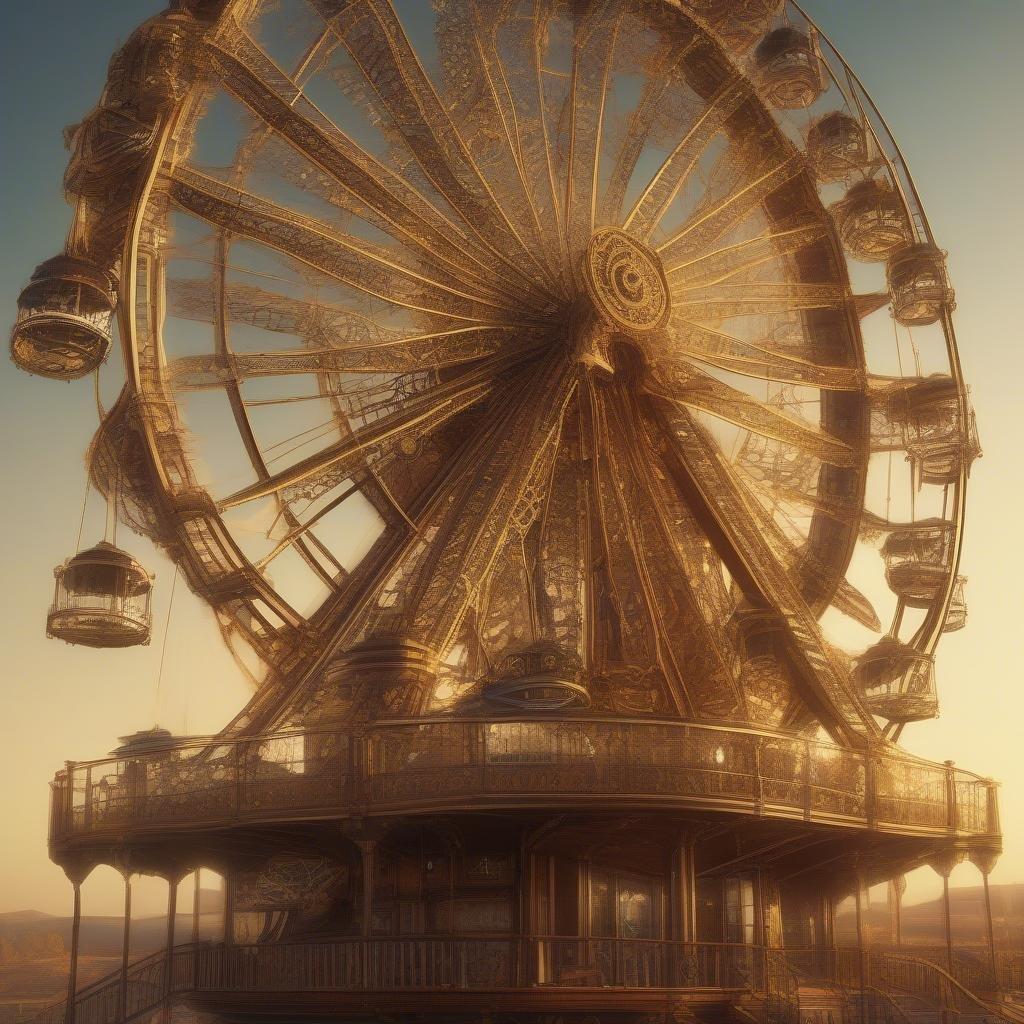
point(922, 922)
point(102, 936)
point(14, 916)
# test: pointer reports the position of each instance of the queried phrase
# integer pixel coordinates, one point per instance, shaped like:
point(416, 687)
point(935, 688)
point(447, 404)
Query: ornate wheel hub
point(626, 283)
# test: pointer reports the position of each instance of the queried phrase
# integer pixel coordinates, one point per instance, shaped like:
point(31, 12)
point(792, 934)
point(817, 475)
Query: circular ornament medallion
point(626, 282)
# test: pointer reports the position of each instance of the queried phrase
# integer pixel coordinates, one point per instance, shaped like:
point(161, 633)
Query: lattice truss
point(397, 384)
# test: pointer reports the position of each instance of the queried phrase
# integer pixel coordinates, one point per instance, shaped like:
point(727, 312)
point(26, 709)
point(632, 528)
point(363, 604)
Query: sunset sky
point(947, 75)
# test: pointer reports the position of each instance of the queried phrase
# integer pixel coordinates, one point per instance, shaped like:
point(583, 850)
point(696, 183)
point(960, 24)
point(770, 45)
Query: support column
point(583, 898)
point(195, 907)
point(826, 950)
point(828, 921)
point(690, 892)
point(947, 924)
point(172, 915)
point(985, 861)
point(944, 863)
point(368, 849)
point(861, 943)
point(990, 931)
point(229, 908)
point(76, 927)
point(126, 944)
point(897, 887)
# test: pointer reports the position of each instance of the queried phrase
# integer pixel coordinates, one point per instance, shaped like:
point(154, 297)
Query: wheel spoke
point(680, 163)
point(338, 461)
point(846, 598)
point(520, 32)
point(593, 48)
point(719, 302)
point(377, 43)
point(702, 230)
point(690, 387)
point(483, 103)
point(708, 483)
point(720, 265)
point(366, 267)
point(402, 355)
point(375, 193)
point(641, 124)
point(759, 361)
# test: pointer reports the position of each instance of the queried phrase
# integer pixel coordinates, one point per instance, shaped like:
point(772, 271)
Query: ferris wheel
point(516, 353)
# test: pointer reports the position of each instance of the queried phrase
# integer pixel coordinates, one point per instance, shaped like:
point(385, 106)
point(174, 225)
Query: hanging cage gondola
point(837, 147)
point(102, 598)
point(872, 221)
point(918, 285)
point(64, 319)
point(789, 71)
point(897, 681)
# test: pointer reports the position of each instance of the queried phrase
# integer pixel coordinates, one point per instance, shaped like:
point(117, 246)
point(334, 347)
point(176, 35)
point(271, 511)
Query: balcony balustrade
point(429, 964)
point(429, 765)
point(546, 966)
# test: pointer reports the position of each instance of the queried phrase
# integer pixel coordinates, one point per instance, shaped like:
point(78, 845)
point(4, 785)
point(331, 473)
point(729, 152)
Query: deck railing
point(886, 982)
point(435, 964)
point(438, 763)
point(899, 974)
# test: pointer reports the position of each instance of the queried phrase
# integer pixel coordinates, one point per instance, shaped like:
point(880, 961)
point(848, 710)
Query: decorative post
point(126, 942)
point(861, 944)
point(195, 907)
point(951, 815)
point(827, 936)
point(985, 861)
point(172, 915)
point(368, 849)
point(690, 891)
point(897, 887)
point(76, 927)
point(943, 863)
point(683, 897)
point(229, 908)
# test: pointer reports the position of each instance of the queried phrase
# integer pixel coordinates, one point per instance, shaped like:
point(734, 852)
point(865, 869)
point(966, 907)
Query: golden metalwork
point(495, 373)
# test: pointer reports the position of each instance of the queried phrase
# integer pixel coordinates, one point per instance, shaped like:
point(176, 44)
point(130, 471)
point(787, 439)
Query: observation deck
point(427, 766)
